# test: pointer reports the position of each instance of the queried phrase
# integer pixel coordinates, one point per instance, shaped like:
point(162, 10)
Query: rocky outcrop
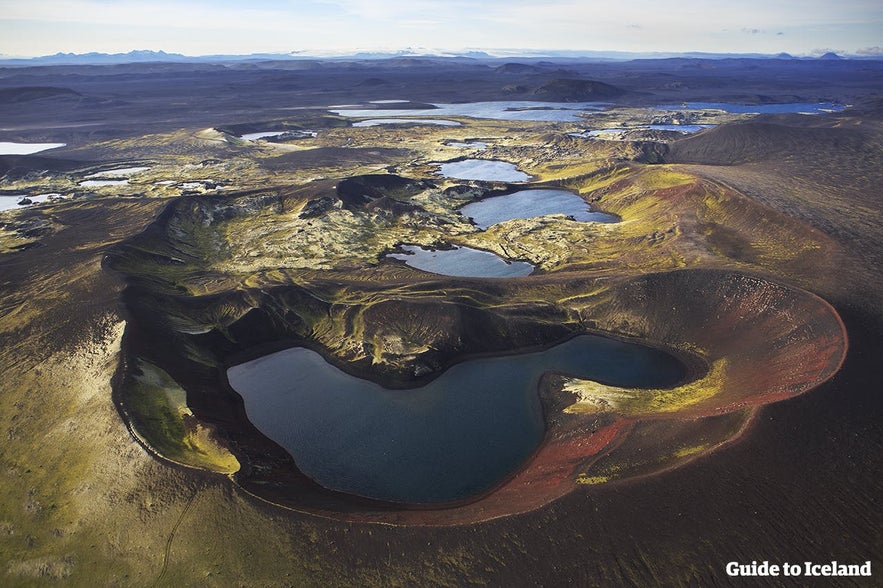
point(359, 190)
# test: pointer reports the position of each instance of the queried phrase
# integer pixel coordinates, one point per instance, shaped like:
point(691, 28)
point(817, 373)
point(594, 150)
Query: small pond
point(533, 203)
point(100, 183)
point(12, 202)
point(123, 171)
point(463, 262)
point(479, 145)
point(295, 134)
point(488, 170)
point(7, 148)
point(451, 439)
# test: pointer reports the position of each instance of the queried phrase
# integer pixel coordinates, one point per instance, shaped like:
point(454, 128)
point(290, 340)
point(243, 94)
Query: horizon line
point(489, 53)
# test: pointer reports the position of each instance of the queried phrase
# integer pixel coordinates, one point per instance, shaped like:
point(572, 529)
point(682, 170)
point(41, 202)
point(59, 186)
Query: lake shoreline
point(692, 367)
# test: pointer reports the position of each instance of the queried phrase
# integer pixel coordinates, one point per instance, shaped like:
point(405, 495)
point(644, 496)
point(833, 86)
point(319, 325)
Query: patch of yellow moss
point(165, 422)
point(690, 451)
point(552, 171)
point(661, 177)
point(591, 480)
point(596, 398)
point(10, 241)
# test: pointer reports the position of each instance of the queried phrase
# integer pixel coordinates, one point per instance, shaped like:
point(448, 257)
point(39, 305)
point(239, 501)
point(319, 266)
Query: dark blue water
point(463, 262)
point(532, 203)
point(451, 439)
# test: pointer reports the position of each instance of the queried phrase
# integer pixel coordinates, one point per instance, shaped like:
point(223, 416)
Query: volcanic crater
point(193, 311)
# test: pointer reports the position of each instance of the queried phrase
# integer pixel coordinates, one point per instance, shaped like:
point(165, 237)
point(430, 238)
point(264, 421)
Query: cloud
point(876, 51)
point(165, 13)
point(198, 26)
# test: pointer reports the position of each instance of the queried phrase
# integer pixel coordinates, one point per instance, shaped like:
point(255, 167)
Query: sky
point(200, 27)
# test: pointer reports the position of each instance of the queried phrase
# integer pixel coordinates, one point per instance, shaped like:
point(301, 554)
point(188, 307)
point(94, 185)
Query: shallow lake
point(268, 134)
point(374, 122)
point(480, 145)
point(123, 171)
point(455, 437)
point(533, 203)
point(7, 148)
point(799, 107)
point(685, 129)
point(463, 262)
point(12, 202)
point(488, 170)
point(504, 110)
point(99, 183)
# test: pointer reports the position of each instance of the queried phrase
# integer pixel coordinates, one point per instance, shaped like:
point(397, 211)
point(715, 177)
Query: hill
point(569, 90)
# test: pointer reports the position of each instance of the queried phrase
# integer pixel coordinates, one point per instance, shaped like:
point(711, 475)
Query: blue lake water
point(463, 262)
point(503, 110)
point(533, 203)
point(488, 170)
point(455, 437)
point(563, 111)
point(679, 128)
point(373, 122)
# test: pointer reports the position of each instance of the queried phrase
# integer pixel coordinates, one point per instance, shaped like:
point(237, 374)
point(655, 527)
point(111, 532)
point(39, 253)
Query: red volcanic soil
point(778, 341)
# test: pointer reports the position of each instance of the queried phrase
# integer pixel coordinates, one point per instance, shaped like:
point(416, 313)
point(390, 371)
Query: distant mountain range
point(144, 56)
